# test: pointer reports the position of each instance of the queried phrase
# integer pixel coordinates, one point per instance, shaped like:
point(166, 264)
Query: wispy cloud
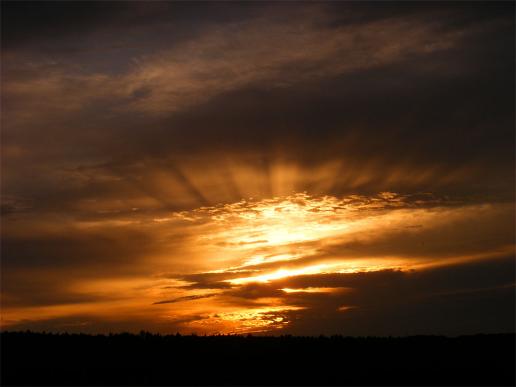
point(184, 298)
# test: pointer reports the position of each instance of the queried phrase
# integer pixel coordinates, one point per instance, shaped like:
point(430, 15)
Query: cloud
point(185, 298)
point(451, 300)
point(388, 129)
point(226, 57)
point(457, 299)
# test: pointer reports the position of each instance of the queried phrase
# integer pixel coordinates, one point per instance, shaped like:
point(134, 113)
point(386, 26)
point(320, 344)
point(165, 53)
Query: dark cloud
point(185, 298)
point(254, 291)
point(25, 21)
point(450, 300)
point(453, 300)
point(95, 325)
point(78, 249)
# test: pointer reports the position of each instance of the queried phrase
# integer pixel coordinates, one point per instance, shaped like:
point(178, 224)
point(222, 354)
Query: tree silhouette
point(153, 359)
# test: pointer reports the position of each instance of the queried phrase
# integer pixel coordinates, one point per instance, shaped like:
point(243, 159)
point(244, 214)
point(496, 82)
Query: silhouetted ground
point(146, 359)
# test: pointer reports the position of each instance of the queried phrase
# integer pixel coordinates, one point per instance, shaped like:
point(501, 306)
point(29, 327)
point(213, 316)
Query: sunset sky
point(258, 167)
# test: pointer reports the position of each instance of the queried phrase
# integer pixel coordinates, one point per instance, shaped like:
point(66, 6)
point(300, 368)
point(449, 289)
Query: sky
point(258, 167)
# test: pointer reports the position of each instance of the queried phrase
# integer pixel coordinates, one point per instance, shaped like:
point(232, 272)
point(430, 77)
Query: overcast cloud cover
point(138, 139)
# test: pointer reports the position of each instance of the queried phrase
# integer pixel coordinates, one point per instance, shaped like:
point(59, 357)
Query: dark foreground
point(145, 359)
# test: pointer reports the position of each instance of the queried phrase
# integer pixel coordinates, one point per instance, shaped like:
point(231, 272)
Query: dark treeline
point(151, 359)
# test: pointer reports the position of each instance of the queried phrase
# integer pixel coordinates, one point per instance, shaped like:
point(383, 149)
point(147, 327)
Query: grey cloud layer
point(399, 103)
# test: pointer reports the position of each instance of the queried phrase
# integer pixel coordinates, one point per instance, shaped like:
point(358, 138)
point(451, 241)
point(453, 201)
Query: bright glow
point(279, 274)
point(314, 290)
point(256, 265)
point(273, 240)
point(251, 320)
